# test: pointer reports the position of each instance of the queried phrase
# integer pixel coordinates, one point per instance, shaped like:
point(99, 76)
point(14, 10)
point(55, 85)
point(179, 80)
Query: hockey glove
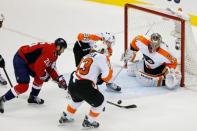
point(45, 77)
point(61, 82)
point(2, 62)
point(99, 80)
point(129, 55)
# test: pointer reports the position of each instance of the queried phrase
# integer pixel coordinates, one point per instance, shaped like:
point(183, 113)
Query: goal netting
point(176, 32)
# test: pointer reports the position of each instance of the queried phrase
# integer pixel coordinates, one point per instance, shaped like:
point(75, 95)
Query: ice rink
point(30, 21)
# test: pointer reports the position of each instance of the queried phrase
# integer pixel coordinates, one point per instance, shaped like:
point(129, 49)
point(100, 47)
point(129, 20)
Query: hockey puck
point(119, 101)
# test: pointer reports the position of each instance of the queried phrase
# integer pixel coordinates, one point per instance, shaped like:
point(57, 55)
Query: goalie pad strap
point(149, 80)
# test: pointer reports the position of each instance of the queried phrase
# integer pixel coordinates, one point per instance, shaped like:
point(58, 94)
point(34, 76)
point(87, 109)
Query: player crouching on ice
point(83, 45)
point(94, 69)
point(157, 68)
point(38, 61)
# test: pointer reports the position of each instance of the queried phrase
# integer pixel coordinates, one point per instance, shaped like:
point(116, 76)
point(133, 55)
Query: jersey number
point(84, 66)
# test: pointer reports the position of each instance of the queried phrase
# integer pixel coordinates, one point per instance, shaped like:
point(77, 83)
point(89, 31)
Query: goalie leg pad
point(133, 68)
point(172, 79)
point(148, 80)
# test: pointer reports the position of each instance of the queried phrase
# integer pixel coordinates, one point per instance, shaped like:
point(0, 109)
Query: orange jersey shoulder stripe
point(94, 37)
point(140, 38)
point(167, 55)
point(109, 76)
point(110, 51)
point(82, 36)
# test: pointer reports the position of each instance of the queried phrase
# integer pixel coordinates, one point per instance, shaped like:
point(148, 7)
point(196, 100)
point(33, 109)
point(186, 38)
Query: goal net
point(175, 30)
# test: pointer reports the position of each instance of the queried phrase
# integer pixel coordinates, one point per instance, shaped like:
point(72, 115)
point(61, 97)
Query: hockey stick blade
point(126, 107)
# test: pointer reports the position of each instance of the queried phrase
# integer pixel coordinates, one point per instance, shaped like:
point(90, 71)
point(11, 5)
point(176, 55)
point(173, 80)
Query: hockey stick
point(115, 77)
point(150, 28)
point(7, 76)
point(126, 107)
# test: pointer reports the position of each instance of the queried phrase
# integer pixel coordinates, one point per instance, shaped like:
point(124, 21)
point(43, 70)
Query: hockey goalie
point(158, 65)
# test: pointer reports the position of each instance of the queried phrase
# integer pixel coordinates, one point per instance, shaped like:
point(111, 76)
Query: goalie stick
point(150, 28)
point(126, 107)
point(122, 67)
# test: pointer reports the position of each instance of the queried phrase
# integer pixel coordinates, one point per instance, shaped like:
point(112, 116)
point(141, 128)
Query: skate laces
point(65, 118)
point(37, 99)
point(89, 122)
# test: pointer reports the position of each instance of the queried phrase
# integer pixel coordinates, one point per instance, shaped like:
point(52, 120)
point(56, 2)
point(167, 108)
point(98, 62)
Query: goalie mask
point(155, 41)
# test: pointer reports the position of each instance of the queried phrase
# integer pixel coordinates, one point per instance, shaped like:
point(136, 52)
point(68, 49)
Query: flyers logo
point(148, 59)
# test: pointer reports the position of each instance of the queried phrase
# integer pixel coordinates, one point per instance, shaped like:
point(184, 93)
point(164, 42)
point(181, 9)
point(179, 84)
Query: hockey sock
point(34, 91)
point(8, 96)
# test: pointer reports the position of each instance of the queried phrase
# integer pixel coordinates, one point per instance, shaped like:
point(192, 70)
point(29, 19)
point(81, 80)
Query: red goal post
point(133, 27)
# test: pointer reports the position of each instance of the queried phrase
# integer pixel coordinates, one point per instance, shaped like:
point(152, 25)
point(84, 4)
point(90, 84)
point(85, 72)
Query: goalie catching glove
point(129, 55)
point(61, 82)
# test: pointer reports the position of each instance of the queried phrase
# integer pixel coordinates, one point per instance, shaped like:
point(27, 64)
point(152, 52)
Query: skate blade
point(112, 90)
point(88, 128)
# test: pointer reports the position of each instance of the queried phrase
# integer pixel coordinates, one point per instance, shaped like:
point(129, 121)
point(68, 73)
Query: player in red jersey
point(38, 61)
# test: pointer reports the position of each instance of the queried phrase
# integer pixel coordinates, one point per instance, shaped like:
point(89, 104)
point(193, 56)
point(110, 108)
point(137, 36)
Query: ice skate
point(88, 124)
point(64, 118)
point(35, 99)
point(114, 87)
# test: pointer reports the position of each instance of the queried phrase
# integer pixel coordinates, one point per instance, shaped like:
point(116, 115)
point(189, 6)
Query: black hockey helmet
point(61, 42)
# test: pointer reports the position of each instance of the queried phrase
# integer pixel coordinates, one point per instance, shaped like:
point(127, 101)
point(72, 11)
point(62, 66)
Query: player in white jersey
point(93, 69)
point(158, 65)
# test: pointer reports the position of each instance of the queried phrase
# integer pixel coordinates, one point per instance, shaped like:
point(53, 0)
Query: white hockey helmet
point(100, 47)
point(108, 38)
point(155, 41)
